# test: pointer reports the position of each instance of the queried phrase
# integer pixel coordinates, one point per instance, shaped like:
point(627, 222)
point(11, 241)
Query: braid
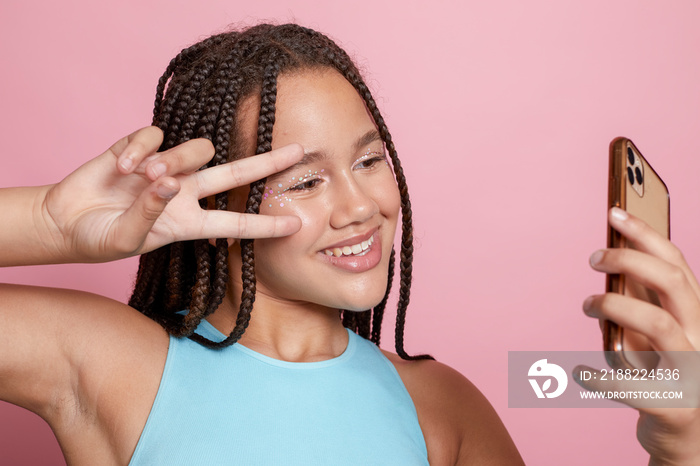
point(148, 280)
point(266, 121)
point(174, 282)
point(199, 95)
point(349, 319)
point(161, 118)
point(378, 311)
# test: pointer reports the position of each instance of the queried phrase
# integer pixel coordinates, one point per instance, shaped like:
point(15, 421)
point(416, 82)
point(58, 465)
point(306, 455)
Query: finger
point(187, 157)
point(133, 149)
point(663, 331)
point(646, 239)
point(668, 280)
point(134, 224)
point(223, 224)
point(243, 172)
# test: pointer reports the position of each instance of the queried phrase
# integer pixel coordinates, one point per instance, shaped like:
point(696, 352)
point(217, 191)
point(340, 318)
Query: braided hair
point(199, 96)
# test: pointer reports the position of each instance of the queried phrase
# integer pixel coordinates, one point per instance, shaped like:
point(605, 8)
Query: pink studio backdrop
point(502, 113)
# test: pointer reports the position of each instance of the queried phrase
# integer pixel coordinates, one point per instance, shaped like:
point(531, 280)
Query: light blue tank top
point(236, 406)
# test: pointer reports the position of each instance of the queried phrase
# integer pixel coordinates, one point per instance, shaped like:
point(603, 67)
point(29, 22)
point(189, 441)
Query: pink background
point(502, 113)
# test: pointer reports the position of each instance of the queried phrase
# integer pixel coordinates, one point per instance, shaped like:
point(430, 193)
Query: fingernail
point(126, 163)
point(587, 303)
point(165, 191)
point(596, 257)
point(158, 169)
point(619, 214)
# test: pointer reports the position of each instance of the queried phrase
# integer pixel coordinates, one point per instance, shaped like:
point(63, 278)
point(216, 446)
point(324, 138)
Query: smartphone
point(634, 186)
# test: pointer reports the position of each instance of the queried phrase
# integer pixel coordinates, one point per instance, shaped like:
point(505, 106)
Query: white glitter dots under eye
point(370, 153)
point(280, 197)
point(280, 194)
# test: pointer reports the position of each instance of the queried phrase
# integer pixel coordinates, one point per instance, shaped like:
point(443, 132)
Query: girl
point(285, 382)
point(209, 365)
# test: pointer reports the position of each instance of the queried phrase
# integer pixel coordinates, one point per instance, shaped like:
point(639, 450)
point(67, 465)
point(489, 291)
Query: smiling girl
point(234, 351)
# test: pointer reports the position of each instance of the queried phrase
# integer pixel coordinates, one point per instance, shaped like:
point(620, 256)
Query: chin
point(367, 302)
point(368, 296)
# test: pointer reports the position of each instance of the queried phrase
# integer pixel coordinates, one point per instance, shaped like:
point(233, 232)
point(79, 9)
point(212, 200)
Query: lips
point(356, 254)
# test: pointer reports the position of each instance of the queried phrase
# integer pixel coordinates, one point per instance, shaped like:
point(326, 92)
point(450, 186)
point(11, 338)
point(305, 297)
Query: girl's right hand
point(668, 429)
point(133, 199)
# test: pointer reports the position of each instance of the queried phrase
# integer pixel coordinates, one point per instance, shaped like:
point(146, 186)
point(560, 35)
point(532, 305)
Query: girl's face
point(343, 191)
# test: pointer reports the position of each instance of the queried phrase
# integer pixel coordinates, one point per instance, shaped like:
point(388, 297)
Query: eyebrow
point(319, 155)
point(366, 139)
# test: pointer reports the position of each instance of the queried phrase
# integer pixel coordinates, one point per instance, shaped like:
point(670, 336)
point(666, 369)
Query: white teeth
point(355, 249)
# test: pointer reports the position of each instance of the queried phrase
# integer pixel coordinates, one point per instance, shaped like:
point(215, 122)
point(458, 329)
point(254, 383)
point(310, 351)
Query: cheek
point(274, 257)
point(273, 199)
point(311, 212)
point(389, 198)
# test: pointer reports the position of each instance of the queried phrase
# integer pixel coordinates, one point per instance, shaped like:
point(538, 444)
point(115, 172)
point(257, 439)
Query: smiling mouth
point(359, 249)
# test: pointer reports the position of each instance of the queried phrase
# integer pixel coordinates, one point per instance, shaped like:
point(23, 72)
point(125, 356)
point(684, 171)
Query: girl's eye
point(306, 185)
point(370, 162)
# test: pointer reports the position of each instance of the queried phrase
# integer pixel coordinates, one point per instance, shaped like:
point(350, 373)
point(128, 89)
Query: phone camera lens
point(638, 174)
point(630, 175)
point(630, 155)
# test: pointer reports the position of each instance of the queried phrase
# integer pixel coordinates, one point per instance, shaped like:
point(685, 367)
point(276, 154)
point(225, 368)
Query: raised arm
point(127, 201)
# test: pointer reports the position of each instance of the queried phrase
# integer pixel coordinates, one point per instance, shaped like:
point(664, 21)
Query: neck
point(286, 330)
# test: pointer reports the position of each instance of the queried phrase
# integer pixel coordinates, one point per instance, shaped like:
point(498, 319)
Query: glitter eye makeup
point(279, 195)
point(370, 155)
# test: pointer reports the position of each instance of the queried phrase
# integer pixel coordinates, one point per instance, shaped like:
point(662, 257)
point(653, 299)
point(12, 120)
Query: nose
point(353, 202)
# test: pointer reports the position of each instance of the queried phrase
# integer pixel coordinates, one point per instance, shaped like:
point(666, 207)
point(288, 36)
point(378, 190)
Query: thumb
point(136, 222)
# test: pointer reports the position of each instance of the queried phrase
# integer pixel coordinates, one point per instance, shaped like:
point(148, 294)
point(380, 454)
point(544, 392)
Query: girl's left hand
point(670, 435)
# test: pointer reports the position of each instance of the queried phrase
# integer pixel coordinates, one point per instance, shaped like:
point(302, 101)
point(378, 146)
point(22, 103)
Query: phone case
point(634, 186)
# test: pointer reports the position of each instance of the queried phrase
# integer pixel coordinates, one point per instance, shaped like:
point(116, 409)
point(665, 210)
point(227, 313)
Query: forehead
point(318, 109)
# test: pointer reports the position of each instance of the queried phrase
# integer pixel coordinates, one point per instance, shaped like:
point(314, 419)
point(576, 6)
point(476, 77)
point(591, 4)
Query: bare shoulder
point(459, 424)
point(77, 318)
point(55, 335)
point(89, 365)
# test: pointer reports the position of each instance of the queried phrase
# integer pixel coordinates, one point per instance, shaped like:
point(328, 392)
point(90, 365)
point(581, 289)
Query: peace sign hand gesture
point(133, 199)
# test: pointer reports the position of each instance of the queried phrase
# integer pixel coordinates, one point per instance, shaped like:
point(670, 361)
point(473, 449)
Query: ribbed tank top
point(237, 406)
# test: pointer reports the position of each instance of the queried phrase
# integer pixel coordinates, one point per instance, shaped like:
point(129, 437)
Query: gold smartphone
point(634, 186)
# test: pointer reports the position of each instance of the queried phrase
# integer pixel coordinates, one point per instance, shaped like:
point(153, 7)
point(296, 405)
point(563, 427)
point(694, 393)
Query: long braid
point(212, 118)
point(174, 285)
point(186, 116)
point(266, 121)
point(363, 323)
point(378, 311)
point(349, 319)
